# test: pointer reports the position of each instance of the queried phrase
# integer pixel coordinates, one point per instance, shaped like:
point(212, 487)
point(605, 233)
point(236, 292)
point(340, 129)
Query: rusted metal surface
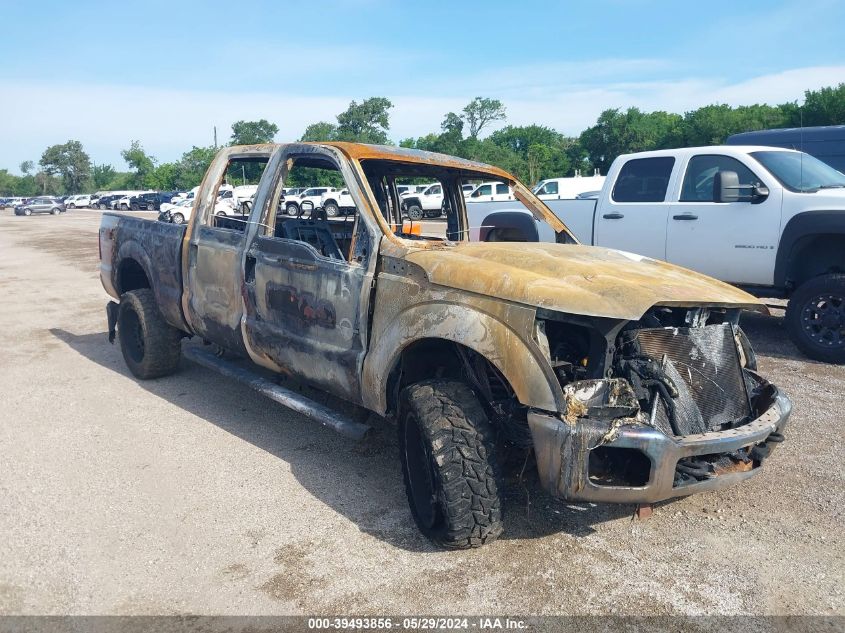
point(585, 280)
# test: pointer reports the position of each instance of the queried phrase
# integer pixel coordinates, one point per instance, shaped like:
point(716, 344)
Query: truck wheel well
point(446, 360)
point(816, 255)
point(131, 276)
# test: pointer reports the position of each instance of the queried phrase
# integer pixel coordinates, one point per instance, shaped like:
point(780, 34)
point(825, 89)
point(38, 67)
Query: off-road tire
point(807, 330)
point(449, 464)
point(151, 347)
point(415, 212)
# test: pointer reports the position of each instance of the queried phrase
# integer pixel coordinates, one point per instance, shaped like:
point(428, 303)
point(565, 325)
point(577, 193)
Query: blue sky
point(165, 73)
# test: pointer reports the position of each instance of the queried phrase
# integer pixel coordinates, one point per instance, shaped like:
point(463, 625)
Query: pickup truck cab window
point(643, 180)
point(701, 173)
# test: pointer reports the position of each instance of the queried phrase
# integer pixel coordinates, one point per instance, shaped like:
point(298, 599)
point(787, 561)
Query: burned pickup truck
point(629, 378)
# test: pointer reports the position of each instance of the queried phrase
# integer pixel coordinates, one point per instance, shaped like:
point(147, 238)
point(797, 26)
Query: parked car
point(105, 202)
point(337, 202)
point(14, 202)
point(43, 204)
point(313, 195)
point(628, 378)
point(490, 192)
point(177, 213)
point(567, 188)
point(769, 220)
point(149, 200)
point(427, 203)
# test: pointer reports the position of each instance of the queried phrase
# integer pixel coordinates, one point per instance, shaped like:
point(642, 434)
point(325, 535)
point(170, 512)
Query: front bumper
point(563, 454)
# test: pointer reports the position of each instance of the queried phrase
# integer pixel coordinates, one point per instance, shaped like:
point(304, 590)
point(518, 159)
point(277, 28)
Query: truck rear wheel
point(815, 318)
point(449, 464)
point(151, 347)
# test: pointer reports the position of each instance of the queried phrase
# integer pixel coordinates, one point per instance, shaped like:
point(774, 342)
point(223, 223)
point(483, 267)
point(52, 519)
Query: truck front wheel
point(151, 347)
point(815, 318)
point(449, 464)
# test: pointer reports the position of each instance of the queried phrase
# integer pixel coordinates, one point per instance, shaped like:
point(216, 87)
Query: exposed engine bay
point(677, 374)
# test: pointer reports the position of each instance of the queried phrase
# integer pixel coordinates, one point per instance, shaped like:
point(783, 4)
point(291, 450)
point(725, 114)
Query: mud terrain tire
point(815, 318)
point(449, 464)
point(151, 347)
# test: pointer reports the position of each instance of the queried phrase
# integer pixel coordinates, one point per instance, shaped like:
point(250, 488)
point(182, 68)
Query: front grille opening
point(612, 466)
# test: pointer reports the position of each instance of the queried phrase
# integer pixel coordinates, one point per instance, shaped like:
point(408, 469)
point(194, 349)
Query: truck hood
point(587, 280)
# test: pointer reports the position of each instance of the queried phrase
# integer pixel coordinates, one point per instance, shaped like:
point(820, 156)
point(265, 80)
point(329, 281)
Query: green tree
point(140, 162)
point(617, 132)
point(101, 176)
point(320, 131)
point(69, 161)
point(365, 122)
point(480, 112)
point(253, 132)
point(26, 167)
point(825, 106)
point(193, 165)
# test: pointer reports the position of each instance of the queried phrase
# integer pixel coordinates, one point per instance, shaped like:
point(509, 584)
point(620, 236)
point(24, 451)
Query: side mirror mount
point(726, 186)
point(759, 192)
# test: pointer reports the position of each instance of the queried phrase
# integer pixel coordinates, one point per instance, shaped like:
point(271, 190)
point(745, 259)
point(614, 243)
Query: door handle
point(685, 216)
point(613, 216)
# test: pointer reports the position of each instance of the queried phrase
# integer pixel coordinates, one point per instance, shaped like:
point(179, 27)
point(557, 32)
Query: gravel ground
point(191, 494)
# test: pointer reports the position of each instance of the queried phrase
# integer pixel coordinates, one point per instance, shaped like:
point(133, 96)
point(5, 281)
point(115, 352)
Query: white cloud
point(167, 122)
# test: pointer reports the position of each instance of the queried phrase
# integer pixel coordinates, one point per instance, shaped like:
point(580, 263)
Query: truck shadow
point(769, 337)
point(360, 480)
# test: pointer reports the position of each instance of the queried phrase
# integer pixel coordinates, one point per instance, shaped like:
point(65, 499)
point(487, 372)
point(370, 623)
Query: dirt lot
point(193, 495)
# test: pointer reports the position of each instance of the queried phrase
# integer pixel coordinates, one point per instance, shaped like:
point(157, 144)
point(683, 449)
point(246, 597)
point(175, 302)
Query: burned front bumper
point(564, 450)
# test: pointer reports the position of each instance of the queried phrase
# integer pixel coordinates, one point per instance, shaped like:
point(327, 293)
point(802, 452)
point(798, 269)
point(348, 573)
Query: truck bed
point(158, 248)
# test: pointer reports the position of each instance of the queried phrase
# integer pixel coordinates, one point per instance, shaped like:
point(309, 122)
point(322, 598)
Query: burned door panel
point(303, 313)
point(214, 275)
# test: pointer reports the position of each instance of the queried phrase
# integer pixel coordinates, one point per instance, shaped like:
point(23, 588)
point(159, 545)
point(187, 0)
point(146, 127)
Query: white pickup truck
point(427, 203)
point(769, 220)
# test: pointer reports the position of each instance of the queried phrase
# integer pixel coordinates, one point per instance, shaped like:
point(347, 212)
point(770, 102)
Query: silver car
point(40, 205)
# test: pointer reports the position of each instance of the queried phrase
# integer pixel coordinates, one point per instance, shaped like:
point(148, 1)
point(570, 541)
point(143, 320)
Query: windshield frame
point(523, 194)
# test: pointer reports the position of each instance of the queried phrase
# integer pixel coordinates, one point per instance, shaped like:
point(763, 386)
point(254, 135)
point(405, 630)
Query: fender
point(168, 296)
point(802, 225)
point(522, 365)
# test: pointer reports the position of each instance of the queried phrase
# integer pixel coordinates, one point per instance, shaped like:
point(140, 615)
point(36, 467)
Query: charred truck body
point(629, 377)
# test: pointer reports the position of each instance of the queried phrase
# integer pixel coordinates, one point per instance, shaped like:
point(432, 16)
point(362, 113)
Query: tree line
point(531, 152)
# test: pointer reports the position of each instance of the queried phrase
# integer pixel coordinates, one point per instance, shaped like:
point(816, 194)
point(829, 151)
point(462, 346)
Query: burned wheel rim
point(823, 320)
point(132, 335)
point(420, 474)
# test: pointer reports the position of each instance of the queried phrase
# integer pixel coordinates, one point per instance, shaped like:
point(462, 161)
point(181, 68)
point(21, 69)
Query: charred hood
point(587, 280)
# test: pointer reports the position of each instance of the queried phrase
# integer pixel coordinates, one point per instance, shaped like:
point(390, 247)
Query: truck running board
point(296, 401)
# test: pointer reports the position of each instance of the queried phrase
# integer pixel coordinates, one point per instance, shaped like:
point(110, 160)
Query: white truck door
point(732, 241)
point(632, 215)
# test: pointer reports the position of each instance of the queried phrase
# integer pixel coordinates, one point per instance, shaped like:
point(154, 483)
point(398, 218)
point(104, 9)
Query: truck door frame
point(212, 257)
point(327, 347)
